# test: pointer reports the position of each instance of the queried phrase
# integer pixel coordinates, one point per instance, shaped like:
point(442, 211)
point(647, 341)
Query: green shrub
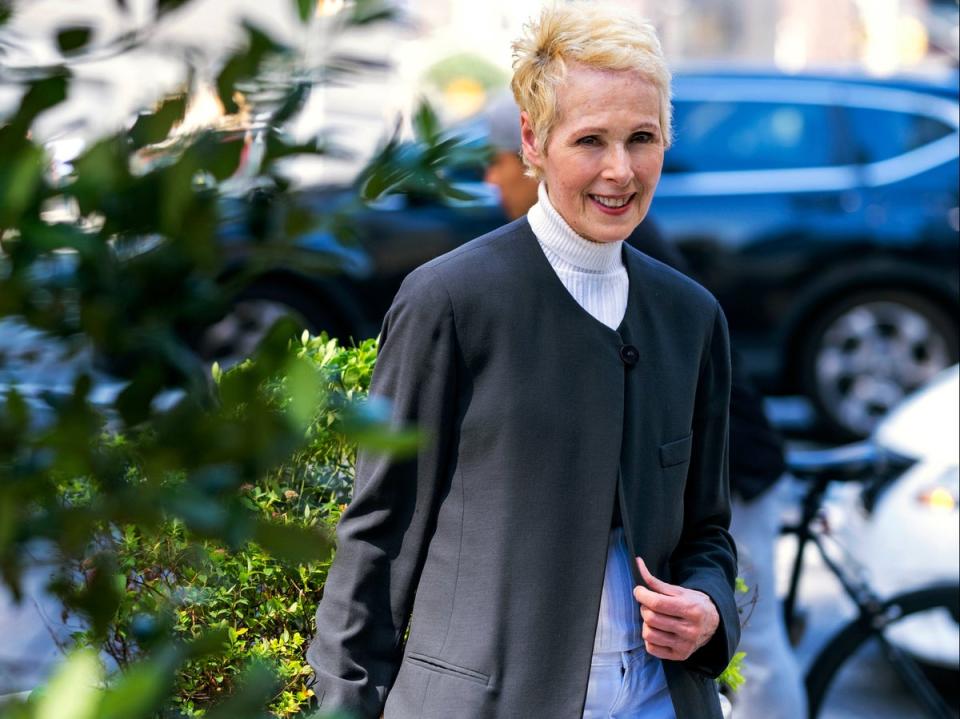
point(264, 605)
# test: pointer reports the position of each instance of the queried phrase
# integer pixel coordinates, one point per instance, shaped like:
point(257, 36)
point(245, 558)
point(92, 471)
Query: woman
point(575, 393)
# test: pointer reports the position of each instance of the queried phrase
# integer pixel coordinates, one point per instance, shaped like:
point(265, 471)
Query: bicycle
point(865, 463)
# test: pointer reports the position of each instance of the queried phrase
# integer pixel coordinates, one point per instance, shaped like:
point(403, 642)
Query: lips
point(615, 204)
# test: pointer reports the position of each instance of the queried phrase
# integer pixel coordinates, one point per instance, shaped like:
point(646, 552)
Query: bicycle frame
point(858, 590)
point(874, 613)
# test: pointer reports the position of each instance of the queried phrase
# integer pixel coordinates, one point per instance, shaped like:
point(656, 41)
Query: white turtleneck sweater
point(594, 273)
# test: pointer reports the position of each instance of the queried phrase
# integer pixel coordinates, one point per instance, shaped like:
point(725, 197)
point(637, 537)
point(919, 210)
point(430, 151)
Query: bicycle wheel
point(876, 639)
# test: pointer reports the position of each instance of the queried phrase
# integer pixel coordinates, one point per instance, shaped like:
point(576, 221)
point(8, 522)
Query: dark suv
point(821, 210)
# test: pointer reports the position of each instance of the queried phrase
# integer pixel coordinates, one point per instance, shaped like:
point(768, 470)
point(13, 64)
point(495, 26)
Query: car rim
point(871, 356)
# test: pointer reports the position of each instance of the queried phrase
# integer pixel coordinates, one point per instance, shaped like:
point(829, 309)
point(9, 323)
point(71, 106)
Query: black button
point(630, 355)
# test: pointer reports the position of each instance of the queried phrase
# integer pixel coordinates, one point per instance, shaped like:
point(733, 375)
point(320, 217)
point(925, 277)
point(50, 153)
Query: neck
point(555, 233)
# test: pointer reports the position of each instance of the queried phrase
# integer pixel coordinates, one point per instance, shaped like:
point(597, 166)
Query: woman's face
point(603, 158)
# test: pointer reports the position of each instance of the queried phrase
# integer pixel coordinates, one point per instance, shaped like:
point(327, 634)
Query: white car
point(912, 537)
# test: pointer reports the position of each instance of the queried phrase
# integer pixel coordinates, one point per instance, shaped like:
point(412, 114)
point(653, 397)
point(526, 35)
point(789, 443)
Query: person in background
point(505, 169)
point(774, 685)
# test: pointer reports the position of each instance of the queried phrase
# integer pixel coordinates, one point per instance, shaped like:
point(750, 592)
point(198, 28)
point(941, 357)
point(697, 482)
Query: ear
point(528, 142)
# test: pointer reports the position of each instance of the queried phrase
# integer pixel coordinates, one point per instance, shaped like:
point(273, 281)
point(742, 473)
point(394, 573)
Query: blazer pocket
point(441, 667)
point(676, 452)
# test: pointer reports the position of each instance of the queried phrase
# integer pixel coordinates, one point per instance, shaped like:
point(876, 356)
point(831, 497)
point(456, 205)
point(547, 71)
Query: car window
point(882, 134)
point(717, 136)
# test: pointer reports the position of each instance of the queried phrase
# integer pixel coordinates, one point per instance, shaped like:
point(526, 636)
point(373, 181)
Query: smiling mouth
point(613, 203)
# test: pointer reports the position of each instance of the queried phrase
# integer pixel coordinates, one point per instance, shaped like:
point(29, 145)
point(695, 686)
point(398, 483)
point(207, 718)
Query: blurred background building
point(880, 37)
point(454, 52)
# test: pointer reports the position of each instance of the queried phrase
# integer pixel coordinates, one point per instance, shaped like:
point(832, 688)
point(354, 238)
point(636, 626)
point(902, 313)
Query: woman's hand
point(676, 621)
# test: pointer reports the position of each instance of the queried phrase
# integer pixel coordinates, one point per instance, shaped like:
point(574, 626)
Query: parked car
point(911, 536)
point(349, 283)
point(821, 210)
point(823, 213)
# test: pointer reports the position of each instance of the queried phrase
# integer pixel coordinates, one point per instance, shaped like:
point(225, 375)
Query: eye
point(589, 140)
point(643, 137)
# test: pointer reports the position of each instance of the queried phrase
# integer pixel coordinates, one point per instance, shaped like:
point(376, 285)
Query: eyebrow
point(601, 130)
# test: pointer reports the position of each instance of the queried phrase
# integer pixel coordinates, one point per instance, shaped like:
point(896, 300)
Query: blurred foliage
point(732, 677)
point(412, 168)
point(154, 584)
point(467, 65)
point(71, 39)
point(187, 519)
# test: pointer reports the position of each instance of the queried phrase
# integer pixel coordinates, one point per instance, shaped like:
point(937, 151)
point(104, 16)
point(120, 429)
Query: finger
point(661, 638)
point(660, 603)
point(660, 651)
point(651, 581)
point(663, 621)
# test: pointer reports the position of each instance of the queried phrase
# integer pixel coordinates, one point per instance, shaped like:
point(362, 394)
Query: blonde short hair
point(597, 35)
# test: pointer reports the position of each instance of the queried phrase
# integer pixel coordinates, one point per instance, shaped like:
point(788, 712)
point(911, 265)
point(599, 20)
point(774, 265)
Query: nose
point(617, 166)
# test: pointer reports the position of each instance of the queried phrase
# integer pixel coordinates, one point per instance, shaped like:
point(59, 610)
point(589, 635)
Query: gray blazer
point(489, 545)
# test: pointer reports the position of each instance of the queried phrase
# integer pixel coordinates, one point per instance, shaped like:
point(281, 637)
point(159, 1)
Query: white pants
point(627, 685)
point(774, 686)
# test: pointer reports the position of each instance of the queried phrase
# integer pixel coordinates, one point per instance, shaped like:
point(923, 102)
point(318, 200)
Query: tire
point(868, 351)
point(254, 311)
point(941, 601)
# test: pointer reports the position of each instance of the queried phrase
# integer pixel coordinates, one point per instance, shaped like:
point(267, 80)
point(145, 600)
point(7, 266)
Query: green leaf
point(20, 175)
point(368, 423)
point(143, 687)
point(732, 676)
point(243, 66)
point(365, 12)
point(8, 521)
point(134, 401)
point(218, 154)
point(166, 6)
point(385, 171)
point(151, 128)
point(398, 443)
point(452, 192)
point(73, 691)
point(71, 39)
point(305, 9)
point(210, 642)
point(426, 125)
point(42, 95)
point(100, 597)
point(207, 517)
point(298, 545)
point(303, 383)
point(102, 171)
point(257, 685)
point(44, 238)
point(292, 103)
point(177, 193)
point(278, 146)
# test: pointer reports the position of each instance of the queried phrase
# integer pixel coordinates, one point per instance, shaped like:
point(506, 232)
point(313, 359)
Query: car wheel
point(868, 352)
point(255, 310)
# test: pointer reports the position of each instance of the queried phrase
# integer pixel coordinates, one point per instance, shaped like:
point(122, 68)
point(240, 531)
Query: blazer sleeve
point(706, 558)
point(382, 536)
